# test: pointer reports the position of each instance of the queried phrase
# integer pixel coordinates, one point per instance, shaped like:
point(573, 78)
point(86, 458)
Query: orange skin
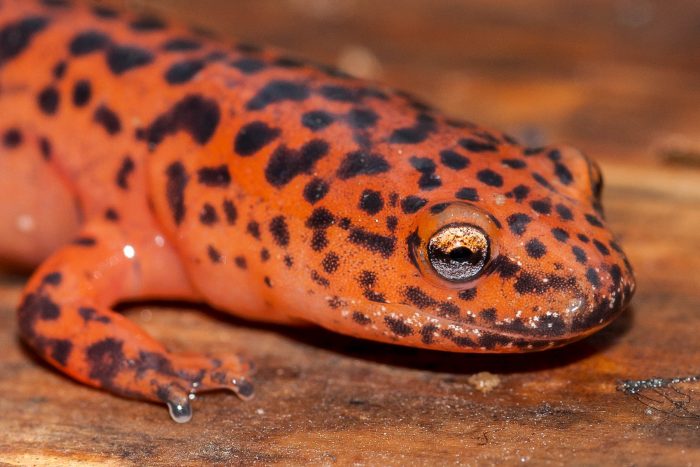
point(274, 190)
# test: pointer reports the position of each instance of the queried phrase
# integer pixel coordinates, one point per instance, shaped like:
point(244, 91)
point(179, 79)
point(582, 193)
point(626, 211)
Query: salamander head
point(521, 260)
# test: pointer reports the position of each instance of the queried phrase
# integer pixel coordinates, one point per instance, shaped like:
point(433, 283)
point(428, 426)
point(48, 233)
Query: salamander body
point(139, 160)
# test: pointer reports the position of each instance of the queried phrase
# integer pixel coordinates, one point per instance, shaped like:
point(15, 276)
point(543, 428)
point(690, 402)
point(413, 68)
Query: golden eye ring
point(458, 252)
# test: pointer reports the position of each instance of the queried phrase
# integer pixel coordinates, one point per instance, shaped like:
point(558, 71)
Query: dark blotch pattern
point(108, 119)
point(285, 164)
point(371, 202)
point(453, 160)
point(254, 136)
point(218, 176)
point(467, 194)
point(197, 115)
point(125, 170)
point(278, 91)
point(184, 71)
point(16, 36)
point(88, 42)
point(361, 163)
point(82, 92)
point(518, 223)
point(315, 190)
point(373, 242)
point(428, 180)
point(175, 190)
point(535, 248)
point(48, 100)
point(398, 326)
point(490, 178)
point(105, 359)
point(121, 59)
point(316, 120)
point(280, 231)
point(412, 204)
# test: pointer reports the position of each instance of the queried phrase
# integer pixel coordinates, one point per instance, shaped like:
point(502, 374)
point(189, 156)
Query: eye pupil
point(461, 255)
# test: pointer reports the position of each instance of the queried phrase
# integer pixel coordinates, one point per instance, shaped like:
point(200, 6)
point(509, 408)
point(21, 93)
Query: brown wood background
point(619, 79)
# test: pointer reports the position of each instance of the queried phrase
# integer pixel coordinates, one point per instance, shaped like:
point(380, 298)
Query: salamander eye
point(458, 252)
point(453, 244)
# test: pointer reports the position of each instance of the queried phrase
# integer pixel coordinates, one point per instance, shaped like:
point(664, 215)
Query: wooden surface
point(619, 79)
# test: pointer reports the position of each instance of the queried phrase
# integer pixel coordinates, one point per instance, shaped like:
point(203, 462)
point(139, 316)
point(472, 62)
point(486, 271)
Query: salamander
point(141, 160)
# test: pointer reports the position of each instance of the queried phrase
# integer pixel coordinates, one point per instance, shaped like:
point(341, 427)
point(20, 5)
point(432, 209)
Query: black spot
point(104, 12)
point(105, 359)
point(330, 263)
point(175, 190)
point(592, 277)
point(48, 100)
point(375, 243)
point(427, 333)
point(601, 247)
point(412, 204)
point(85, 241)
point(91, 314)
point(514, 163)
point(320, 218)
point(147, 24)
point(467, 295)
point(362, 118)
point(560, 234)
point(553, 155)
point(253, 228)
point(182, 72)
point(563, 174)
point(473, 145)
point(428, 179)
point(467, 194)
point(488, 314)
point(59, 70)
point(230, 211)
point(61, 350)
point(580, 255)
point(12, 138)
point(315, 190)
point(125, 170)
point(418, 298)
point(518, 223)
point(398, 326)
point(564, 212)
point(489, 177)
point(88, 42)
point(360, 318)
point(264, 255)
point(543, 181)
point(45, 148)
point(111, 215)
point(529, 283)
point(17, 36)
point(438, 208)
point(208, 215)
point(593, 220)
point(361, 163)
point(391, 223)
point(247, 48)
point(121, 59)
point(56, 3)
point(268, 282)
point(453, 160)
point(319, 240)
point(108, 120)
point(535, 249)
point(288, 62)
point(214, 254)
point(316, 120)
point(339, 93)
point(285, 163)
point(419, 132)
point(253, 137)
point(344, 223)
point(542, 206)
point(181, 44)
point(241, 262)
point(520, 192)
point(280, 231)
point(319, 279)
point(505, 267)
point(248, 65)
point(371, 202)
point(583, 238)
point(82, 92)
point(218, 176)
point(278, 91)
point(194, 114)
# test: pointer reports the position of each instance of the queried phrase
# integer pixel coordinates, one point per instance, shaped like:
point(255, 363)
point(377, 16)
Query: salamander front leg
point(65, 316)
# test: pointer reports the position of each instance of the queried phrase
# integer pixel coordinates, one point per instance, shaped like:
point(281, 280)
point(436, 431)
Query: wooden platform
point(619, 79)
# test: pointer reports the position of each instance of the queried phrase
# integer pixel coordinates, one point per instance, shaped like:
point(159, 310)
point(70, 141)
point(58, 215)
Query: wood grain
point(619, 79)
